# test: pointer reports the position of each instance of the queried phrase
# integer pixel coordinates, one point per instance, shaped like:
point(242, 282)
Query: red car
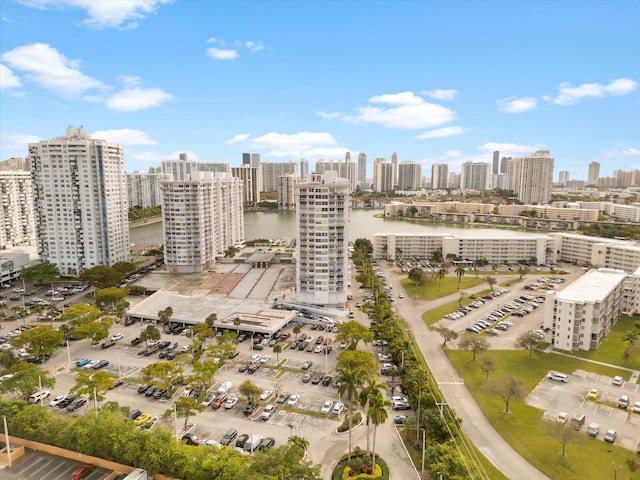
point(82, 471)
point(219, 401)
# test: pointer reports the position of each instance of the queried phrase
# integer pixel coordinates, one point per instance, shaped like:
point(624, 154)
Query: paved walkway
point(634, 373)
point(455, 393)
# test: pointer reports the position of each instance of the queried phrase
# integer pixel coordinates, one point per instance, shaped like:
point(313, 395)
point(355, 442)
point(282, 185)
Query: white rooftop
point(593, 286)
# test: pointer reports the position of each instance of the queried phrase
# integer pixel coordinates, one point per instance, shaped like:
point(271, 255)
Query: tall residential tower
point(80, 197)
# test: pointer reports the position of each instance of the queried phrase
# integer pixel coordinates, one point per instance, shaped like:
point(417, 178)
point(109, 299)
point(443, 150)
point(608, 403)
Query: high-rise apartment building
point(409, 176)
point(496, 163)
point(594, 174)
point(503, 164)
point(346, 170)
point(17, 215)
point(180, 169)
point(384, 176)
point(255, 160)
point(272, 170)
point(246, 159)
point(563, 177)
point(439, 176)
point(475, 176)
point(347, 157)
point(250, 181)
point(394, 162)
point(455, 180)
point(144, 189)
point(322, 253)
point(80, 197)
point(202, 216)
point(376, 161)
point(286, 189)
point(530, 178)
point(304, 169)
point(362, 168)
point(14, 163)
point(216, 167)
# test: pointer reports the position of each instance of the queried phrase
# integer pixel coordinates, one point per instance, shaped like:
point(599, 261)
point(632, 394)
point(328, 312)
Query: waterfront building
point(409, 176)
point(383, 176)
point(439, 176)
point(250, 180)
point(144, 189)
point(345, 169)
point(322, 226)
point(580, 316)
point(17, 214)
point(475, 176)
point(286, 189)
point(80, 198)
point(304, 169)
point(201, 216)
point(530, 178)
point(270, 171)
point(362, 168)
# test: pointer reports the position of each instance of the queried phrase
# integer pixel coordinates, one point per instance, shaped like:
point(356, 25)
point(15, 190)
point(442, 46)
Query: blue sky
point(433, 81)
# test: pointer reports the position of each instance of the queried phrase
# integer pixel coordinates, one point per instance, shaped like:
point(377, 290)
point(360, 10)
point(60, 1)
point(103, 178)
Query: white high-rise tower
point(80, 197)
point(322, 254)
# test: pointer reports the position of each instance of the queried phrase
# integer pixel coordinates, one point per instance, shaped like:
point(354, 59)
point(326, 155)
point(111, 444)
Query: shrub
point(357, 418)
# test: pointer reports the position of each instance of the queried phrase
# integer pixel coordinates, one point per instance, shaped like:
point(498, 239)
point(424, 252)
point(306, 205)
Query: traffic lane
point(555, 397)
point(41, 466)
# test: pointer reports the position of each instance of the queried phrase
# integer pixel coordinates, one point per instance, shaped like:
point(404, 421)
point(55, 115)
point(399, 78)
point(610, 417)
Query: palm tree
point(277, 348)
point(460, 271)
point(296, 331)
point(372, 388)
point(299, 443)
point(378, 414)
point(442, 272)
point(350, 381)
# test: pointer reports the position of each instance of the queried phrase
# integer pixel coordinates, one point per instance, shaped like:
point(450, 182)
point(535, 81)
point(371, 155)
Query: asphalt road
point(455, 393)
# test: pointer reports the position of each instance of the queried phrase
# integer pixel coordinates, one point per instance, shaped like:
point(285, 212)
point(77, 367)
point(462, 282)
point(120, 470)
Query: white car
point(338, 408)
point(293, 400)
point(318, 349)
point(117, 337)
point(618, 381)
point(265, 359)
point(232, 402)
point(38, 396)
point(266, 394)
point(22, 353)
point(57, 400)
point(327, 406)
point(268, 411)
point(255, 358)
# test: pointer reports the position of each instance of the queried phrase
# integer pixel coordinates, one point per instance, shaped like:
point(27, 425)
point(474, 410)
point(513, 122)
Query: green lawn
point(613, 346)
point(523, 428)
point(434, 289)
point(435, 314)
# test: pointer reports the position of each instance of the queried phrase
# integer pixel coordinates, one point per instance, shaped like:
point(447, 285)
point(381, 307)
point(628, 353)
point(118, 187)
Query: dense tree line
point(442, 432)
point(137, 214)
point(611, 230)
point(110, 436)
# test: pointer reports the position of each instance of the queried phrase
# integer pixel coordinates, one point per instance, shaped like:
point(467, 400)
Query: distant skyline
point(436, 82)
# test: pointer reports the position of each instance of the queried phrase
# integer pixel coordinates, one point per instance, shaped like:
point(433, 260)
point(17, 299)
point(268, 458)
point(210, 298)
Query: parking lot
point(555, 397)
point(40, 466)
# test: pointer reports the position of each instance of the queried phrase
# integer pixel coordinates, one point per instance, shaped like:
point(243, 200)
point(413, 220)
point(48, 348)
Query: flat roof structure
point(593, 286)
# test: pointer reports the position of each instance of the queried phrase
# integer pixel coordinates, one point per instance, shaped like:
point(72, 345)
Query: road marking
point(450, 383)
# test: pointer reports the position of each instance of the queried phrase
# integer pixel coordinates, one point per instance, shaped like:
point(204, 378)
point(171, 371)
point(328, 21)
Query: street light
point(615, 470)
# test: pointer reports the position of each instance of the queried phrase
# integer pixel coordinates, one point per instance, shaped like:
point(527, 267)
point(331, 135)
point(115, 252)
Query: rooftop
point(593, 286)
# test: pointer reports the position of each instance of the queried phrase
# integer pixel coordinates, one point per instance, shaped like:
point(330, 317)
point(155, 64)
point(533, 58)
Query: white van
point(558, 377)
point(225, 387)
point(252, 443)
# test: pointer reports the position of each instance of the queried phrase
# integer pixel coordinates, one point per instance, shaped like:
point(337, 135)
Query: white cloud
point(253, 46)
point(322, 114)
point(222, 54)
point(45, 66)
point(627, 152)
point(402, 98)
point(8, 79)
point(510, 149)
point(442, 133)
point(16, 144)
point(134, 99)
point(568, 95)
point(125, 136)
point(517, 105)
point(441, 94)
point(406, 110)
point(241, 137)
point(101, 14)
point(311, 145)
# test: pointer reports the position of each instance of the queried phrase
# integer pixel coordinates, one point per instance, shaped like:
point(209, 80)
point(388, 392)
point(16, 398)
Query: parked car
point(268, 411)
point(219, 400)
point(228, 437)
point(39, 396)
point(230, 403)
point(610, 436)
point(83, 471)
point(242, 439)
point(282, 397)
point(293, 400)
point(266, 443)
point(76, 404)
point(326, 407)
point(190, 439)
point(249, 409)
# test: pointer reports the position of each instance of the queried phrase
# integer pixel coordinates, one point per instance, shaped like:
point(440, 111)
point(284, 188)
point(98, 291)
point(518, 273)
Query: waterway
point(364, 224)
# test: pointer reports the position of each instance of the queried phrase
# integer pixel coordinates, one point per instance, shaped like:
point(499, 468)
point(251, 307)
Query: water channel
point(364, 224)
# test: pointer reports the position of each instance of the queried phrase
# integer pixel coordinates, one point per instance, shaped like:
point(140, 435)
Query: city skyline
point(456, 82)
